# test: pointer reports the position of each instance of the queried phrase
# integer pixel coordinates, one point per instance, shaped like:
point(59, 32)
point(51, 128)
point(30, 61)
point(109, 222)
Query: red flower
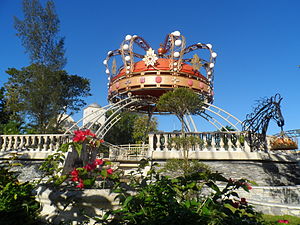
point(248, 186)
point(101, 141)
point(89, 133)
point(80, 185)
point(81, 135)
point(98, 162)
point(90, 167)
point(74, 172)
point(110, 171)
point(283, 221)
point(75, 179)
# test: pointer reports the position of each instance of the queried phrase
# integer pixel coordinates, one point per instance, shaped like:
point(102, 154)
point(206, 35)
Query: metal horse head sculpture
point(256, 123)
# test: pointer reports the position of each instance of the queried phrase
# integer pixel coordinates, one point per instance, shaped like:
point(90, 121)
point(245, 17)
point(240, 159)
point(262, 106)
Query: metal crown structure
point(154, 72)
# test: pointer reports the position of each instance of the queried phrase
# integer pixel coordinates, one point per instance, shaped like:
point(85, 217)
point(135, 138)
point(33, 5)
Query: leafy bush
point(17, 201)
point(176, 167)
point(189, 199)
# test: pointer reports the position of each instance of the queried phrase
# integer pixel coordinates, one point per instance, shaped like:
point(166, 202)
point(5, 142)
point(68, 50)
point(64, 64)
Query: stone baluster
point(51, 145)
point(204, 138)
point(3, 143)
point(58, 141)
point(10, 143)
point(16, 142)
point(222, 144)
point(238, 143)
point(28, 141)
point(230, 144)
point(45, 145)
point(158, 142)
point(39, 143)
point(151, 145)
point(213, 143)
point(21, 146)
point(166, 142)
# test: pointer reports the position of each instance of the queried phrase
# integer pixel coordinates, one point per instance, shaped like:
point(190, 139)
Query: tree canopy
point(43, 91)
point(180, 101)
point(44, 95)
point(132, 128)
point(38, 32)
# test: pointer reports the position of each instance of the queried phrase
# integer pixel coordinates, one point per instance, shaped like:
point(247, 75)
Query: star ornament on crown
point(150, 58)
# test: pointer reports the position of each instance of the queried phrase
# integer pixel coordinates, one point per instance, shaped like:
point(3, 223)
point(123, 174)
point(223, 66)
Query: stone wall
point(264, 173)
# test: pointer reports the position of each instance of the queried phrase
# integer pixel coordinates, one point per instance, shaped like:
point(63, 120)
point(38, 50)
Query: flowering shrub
point(83, 176)
point(159, 199)
point(87, 175)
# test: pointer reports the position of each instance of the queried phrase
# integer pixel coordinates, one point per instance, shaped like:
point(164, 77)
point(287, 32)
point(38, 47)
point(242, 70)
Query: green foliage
point(142, 127)
point(38, 32)
point(17, 201)
point(163, 200)
point(43, 91)
point(177, 167)
point(44, 94)
point(132, 128)
point(293, 220)
point(181, 101)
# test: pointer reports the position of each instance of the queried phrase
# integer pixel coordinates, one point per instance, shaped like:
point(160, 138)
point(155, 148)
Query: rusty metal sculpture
point(256, 123)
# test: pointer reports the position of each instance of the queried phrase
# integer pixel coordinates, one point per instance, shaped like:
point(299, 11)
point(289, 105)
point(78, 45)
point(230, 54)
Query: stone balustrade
point(214, 146)
point(37, 145)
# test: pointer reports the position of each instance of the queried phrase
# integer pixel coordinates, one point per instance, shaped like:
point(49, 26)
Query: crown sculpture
point(149, 74)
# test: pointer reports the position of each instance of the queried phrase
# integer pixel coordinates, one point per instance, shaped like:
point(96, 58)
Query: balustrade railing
point(128, 152)
point(32, 142)
point(211, 141)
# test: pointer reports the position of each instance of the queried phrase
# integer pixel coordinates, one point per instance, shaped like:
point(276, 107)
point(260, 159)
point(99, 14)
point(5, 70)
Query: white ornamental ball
point(178, 43)
point(209, 72)
point(214, 55)
point(107, 71)
point(211, 65)
point(175, 63)
point(125, 47)
point(127, 58)
point(134, 36)
point(176, 54)
point(209, 46)
point(105, 62)
point(108, 78)
point(128, 37)
point(108, 53)
point(176, 33)
point(127, 71)
point(128, 67)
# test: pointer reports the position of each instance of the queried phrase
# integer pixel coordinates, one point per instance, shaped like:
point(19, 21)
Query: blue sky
point(258, 45)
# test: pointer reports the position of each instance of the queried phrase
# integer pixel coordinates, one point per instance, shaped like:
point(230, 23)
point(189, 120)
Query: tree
point(4, 114)
point(132, 128)
point(38, 33)
point(43, 91)
point(180, 102)
point(45, 98)
point(142, 126)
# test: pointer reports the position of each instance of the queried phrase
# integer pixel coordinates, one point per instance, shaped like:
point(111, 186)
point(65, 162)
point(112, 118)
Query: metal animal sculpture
point(256, 123)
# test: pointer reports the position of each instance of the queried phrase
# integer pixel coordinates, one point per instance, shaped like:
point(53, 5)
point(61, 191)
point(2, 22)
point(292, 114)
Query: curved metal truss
point(211, 113)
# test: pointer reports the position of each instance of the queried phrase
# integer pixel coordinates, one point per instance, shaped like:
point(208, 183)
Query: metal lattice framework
point(216, 116)
point(256, 123)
